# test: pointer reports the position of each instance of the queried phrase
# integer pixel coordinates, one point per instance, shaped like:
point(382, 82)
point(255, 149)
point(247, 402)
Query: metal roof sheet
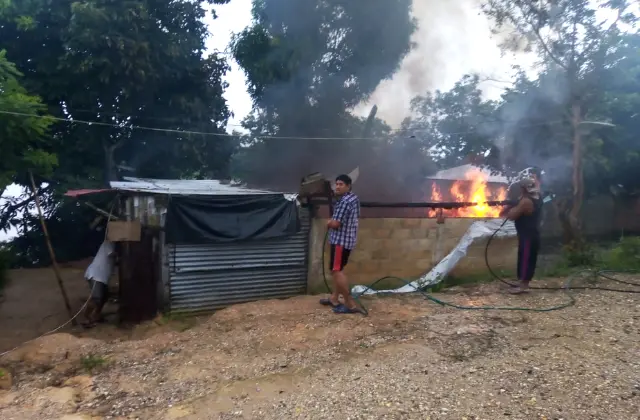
point(184, 187)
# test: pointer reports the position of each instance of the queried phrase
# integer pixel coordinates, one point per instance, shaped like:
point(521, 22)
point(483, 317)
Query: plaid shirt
point(347, 212)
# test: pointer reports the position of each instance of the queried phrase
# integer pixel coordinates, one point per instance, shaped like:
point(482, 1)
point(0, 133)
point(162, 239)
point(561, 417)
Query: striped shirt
point(347, 212)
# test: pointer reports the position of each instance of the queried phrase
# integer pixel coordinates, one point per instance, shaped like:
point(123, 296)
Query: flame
point(474, 190)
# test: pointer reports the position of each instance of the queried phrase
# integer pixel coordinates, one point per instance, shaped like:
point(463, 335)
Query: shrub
point(624, 256)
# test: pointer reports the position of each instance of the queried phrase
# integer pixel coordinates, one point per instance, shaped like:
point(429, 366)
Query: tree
point(21, 138)
point(576, 47)
point(122, 66)
point(455, 125)
point(308, 64)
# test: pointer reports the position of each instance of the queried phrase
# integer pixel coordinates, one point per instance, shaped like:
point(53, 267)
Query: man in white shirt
point(98, 274)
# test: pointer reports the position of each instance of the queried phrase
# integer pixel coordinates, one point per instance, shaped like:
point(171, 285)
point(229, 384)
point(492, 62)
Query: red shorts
point(339, 257)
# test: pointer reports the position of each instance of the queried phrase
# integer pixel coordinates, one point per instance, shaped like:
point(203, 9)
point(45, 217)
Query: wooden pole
point(54, 262)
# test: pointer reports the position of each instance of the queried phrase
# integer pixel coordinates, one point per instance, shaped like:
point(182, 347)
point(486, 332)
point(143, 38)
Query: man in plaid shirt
point(343, 233)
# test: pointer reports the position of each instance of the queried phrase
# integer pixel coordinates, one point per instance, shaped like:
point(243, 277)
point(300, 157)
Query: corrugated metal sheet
point(187, 187)
point(213, 276)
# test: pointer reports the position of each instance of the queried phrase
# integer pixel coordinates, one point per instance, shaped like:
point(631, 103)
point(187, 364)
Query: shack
point(201, 245)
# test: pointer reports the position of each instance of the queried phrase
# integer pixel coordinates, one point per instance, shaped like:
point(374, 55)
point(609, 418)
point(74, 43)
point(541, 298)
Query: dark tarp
point(196, 219)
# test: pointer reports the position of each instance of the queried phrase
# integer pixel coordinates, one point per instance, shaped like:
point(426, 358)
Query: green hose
point(566, 288)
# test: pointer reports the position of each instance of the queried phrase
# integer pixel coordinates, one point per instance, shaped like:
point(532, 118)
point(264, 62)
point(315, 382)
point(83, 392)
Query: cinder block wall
point(407, 248)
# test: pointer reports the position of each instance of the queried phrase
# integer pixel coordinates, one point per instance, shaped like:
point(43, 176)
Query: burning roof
point(459, 173)
point(468, 183)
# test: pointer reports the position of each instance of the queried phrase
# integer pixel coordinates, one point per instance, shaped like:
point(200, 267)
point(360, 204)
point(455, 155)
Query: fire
point(474, 190)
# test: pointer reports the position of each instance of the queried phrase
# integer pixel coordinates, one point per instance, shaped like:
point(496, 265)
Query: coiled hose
point(566, 287)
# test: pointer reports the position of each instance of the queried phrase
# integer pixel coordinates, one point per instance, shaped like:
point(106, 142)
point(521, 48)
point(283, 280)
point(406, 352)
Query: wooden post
point(54, 262)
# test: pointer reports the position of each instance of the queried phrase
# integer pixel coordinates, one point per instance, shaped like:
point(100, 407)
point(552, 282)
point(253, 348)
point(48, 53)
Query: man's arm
point(338, 215)
point(524, 207)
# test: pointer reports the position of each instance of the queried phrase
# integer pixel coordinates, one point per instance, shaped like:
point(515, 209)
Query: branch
point(547, 50)
point(12, 208)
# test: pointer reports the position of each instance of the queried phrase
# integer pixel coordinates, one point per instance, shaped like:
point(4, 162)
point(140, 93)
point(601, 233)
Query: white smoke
point(453, 38)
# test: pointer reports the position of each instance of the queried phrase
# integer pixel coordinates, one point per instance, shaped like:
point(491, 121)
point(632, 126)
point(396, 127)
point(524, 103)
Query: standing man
point(526, 216)
point(97, 275)
point(343, 233)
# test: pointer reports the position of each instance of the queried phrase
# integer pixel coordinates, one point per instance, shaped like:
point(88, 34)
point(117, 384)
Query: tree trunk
point(577, 175)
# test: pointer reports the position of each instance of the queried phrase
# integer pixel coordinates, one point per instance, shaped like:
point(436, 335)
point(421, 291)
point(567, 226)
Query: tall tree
point(455, 125)
point(308, 63)
point(124, 65)
point(574, 45)
point(23, 128)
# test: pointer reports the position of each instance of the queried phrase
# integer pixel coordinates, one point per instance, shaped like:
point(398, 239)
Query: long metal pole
point(52, 254)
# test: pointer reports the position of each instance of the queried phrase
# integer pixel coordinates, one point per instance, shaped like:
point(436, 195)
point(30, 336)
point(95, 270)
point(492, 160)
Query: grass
point(3, 373)
point(91, 362)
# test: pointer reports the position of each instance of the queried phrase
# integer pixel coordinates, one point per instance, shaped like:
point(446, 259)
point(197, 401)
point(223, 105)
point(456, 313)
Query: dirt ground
point(280, 359)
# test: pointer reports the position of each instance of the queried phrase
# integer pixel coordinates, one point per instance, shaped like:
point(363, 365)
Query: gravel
point(294, 359)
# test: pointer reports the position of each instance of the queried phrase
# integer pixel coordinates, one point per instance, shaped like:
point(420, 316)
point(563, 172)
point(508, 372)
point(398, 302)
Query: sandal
point(327, 302)
point(342, 309)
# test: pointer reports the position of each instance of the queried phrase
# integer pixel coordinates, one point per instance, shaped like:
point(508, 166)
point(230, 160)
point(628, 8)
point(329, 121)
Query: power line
point(72, 111)
point(204, 133)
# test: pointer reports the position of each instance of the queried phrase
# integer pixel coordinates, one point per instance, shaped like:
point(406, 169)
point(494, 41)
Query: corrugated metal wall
point(212, 276)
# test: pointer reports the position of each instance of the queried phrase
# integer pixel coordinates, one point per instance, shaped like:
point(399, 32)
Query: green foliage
point(122, 65)
point(92, 362)
point(457, 124)
point(624, 256)
point(21, 138)
point(579, 254)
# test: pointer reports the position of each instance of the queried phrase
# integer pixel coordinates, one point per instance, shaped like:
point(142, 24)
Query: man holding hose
point(526, 216)
point(343, 233)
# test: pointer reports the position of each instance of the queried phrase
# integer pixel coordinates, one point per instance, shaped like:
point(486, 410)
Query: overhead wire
point(213, 134)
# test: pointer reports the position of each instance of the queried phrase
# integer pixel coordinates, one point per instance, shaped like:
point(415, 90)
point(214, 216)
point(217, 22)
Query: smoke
point(453, 38)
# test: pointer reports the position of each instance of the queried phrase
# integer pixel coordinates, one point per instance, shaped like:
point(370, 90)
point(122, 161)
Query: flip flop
point(342, 309)
point(327, 302)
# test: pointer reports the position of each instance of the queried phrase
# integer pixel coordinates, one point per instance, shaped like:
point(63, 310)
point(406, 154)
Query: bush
point(624, 256)
point(579, 254)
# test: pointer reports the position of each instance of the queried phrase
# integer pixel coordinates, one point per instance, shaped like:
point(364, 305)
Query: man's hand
point(333, 224)
point(524, 207)
point(504, 211)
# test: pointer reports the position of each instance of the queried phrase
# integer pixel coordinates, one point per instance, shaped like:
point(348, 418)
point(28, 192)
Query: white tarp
point(477, 230)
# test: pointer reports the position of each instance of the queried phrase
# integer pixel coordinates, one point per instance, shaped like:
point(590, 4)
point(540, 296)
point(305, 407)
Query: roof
point(184, 187)
point(459, 173)
point(78, 193)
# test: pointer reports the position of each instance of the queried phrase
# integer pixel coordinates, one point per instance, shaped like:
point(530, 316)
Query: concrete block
point(423, 264)
point(393, 223)
point(420, 233)
point(380, 254)
point(411, 223)
point(401, 233)
point(382, 233)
